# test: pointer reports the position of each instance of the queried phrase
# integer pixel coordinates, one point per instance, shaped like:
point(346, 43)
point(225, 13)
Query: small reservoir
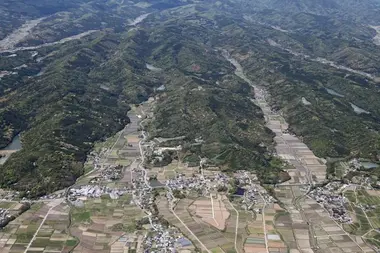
point(13, 147)
point(240, 191)
point(369, 165)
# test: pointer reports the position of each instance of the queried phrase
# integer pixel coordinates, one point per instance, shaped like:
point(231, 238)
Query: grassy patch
point(81, 216)
point(71, 243)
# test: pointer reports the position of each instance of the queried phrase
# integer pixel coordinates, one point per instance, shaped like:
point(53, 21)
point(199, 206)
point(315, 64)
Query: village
point(334, 203)
point(161, 197)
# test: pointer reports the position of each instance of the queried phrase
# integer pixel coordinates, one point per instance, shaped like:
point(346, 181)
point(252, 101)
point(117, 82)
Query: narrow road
point(236, 226)
point(40, 226)
point(191, 232)
point(264, 225)
point(213, 210)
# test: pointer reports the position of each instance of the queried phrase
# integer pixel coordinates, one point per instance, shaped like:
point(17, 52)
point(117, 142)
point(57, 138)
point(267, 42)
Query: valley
point(189, 126)
point(18, 35)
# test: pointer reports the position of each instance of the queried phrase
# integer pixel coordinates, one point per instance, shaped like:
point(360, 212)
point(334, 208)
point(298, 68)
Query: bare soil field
point(101, 222)
point(211, 211)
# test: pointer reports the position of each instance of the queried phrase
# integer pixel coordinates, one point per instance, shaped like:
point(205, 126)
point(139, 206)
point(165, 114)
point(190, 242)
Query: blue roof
point(184, 242)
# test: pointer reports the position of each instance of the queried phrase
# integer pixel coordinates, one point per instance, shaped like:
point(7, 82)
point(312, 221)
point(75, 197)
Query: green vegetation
point(87, 85)
point(71, 243)
point(81, 216)
point(129, 228)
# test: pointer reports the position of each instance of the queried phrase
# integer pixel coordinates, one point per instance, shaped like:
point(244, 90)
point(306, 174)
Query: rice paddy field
point(43, 228)
point(102, 222)
point(364, 208)
point(201, 228)
point(168, 172)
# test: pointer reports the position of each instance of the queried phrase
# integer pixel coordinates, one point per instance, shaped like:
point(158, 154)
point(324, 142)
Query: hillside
point(63, 97)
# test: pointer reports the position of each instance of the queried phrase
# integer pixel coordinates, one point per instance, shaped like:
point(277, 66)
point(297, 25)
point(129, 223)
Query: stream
point(323, 61)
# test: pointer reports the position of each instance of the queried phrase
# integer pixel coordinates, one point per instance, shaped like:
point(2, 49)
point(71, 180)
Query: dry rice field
point(102, 222)
point(211, 237)
point(211, 211)
point(52, 235)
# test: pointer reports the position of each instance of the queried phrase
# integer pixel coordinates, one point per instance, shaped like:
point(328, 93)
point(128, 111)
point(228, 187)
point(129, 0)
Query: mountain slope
point(64, 97)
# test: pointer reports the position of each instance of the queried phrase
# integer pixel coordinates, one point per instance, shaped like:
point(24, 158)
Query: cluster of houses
point(142, 192)
point(4, 216)
point(58, 195)
point(250, 191)
point(8, 195)
point(95, 191)
point(332, 202)
point(110, 173)
point(198, 182)
point(162, 238)
point(94, 158)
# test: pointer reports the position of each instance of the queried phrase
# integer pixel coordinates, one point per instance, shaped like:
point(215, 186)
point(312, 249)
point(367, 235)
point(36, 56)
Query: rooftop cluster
point(95, 191)
point(332, 202)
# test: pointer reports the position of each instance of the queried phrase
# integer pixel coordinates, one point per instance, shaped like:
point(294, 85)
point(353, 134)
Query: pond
point(14, 146)
point(155, 183)
point(369, 165)
point(240, 191)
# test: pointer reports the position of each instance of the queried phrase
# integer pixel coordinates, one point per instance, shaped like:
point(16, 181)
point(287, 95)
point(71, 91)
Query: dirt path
point(237, 227)
point(53, 204)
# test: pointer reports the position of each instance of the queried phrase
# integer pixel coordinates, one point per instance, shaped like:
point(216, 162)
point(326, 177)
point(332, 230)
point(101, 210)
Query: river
point(19, 34)
point(74, 37)
point(324, 61)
